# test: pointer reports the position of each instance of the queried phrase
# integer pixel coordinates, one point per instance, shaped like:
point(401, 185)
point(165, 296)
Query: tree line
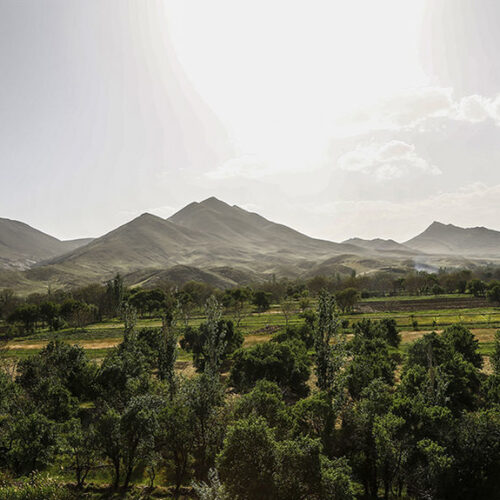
point(81, 306)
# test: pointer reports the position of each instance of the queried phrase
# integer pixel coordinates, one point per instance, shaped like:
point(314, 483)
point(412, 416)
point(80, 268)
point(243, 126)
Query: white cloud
point(392, 160)
point(411, 108)
point(475, 108)
point(248, 167)
point(416, 108)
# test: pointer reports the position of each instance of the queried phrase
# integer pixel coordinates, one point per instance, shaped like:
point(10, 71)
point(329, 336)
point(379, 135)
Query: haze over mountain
point(247, 230)
point(203, 235)
point(21, 245)
point(224, 245)
point(381, 245)
point(448, 239)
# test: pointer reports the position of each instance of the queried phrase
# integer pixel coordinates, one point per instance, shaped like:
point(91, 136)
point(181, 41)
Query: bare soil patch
point(86, 344)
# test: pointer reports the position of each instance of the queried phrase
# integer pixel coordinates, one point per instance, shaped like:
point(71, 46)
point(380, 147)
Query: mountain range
point(22, 246)
point(224, 245)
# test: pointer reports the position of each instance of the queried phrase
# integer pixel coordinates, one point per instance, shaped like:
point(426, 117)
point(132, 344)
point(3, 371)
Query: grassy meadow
point(256, 327)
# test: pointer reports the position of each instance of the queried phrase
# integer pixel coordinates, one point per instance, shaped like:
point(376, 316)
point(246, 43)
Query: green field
point(98, 338)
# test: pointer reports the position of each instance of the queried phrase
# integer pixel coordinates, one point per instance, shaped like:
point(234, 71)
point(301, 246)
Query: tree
point(386, 329)
point(495, 357)
point(492, 383)
point(115, 291)
point(444, 369)
point(176, 436)
point(138, 428)
point(67, 365)
point(8, 302)
point(477, 288)
point(77, 313)
point(389, 331)
point(247, 460)
point(297, 469)
point(80, 449)
point(34, 443)
point(215, 339)
point(358, 427)
point(262, 300)
point(109, 440)
point(264, 400)
point(211, 343)
point(476, 456)
point(390, 449)
point(198, 291)
point(185, 306)
point(460, 339)
point(304, 333)
point(124, 373)
point(254, 464)
point(147, 301)
point(287, 308)
point(347, 299)
point(204, 395)
point(370, 360)
point(213, 490)
point(128, 314)
point(336, 479)
point(315, 417)
point(49, 314)
point(94, 294)
point(285, 363)
point(27, 314)
point(493, 293)
point(167, 352)
point(235, 300)
point(428, 477)
point(329, 346)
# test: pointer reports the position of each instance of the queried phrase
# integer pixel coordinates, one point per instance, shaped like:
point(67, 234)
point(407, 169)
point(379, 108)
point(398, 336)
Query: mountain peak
point(441, 225)
point(214, 202)
point(449, 239)
point(146, 216)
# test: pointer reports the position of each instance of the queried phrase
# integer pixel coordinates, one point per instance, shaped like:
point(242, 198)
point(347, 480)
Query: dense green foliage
point(312, 413)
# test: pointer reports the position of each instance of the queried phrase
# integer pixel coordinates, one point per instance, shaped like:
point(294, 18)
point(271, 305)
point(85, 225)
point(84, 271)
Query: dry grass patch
point(86, 344)
point(185, 368)
point(481, 334)
point(251, 340)
point(411, 336)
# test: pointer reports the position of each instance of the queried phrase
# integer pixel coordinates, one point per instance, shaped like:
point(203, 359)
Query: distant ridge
point(448, 239)
point(381, 245)
point(246, 229)
point(201, 235)
point(22, 246)
point(224, 245)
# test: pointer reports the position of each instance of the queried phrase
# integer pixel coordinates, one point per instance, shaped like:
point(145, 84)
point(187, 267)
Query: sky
point(340, 119)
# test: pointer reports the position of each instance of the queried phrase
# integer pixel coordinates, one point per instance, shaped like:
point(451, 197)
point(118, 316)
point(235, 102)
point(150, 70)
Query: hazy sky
point(338, 118)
